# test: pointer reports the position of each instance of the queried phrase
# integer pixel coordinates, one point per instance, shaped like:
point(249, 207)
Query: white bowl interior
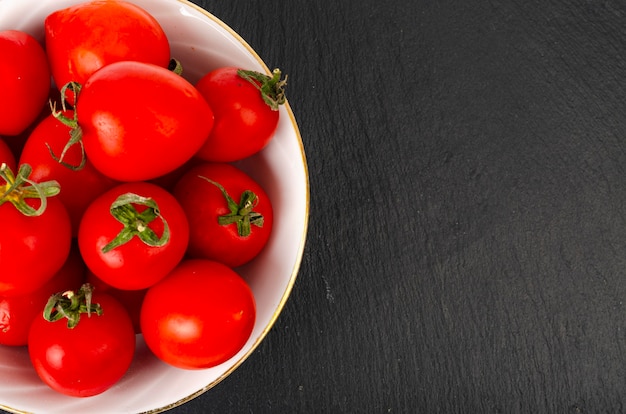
point(201, 42)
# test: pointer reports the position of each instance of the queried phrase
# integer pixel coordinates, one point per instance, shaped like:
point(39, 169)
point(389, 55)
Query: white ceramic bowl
point(201, 42)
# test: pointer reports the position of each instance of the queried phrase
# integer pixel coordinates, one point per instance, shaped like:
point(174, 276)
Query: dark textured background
point(467, 241)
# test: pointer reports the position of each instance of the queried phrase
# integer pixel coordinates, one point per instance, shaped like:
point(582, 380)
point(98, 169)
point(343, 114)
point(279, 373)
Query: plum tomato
point(83, 38)
point(24, 81)
point(133, 235)
point(88, 350)
point(18, 312)
point(36, 232)
point(81, 183)
point(230, 215)
point(199, 316)
point(155, 129)
point(245, 105)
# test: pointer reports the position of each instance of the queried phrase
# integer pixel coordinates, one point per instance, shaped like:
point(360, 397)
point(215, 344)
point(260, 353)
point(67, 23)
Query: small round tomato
point(87, 353)
point(17, 313)
point(245, 105)
point(133, 235)
point(80, 183)
point(24, 81)
point(6, 155)
point(83, 38)
point(199, 316)
point(152, 131)
point(36, 237)
point(230, 215)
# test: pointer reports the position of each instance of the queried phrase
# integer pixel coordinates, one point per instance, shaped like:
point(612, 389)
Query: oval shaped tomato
point(32, 248)
point(24, 81)
point(158, 126)
point(199, 316)
point(245, 121)
point(79, 186)
point(231, 225)
point(17, 313)
point(88, 359)
point(127, 245)
point(85, 37)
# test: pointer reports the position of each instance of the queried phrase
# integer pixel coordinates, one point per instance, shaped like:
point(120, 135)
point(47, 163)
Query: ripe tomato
point(133, 235)
point(17, 313)
point(79, 186)
point(245, 105)
point(32, 247)
point(24, 81)
point(156, 129)
point(83, 38)
point(90, 357)
point(199, 316)
point(6, 155)
point(229, 231)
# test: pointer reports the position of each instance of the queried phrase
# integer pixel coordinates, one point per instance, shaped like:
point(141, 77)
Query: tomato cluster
point(122, 211)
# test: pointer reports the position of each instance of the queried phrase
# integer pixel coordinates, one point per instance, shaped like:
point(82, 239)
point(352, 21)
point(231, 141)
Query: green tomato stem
point(272, 88)
point(19, 187)
point(71, 305)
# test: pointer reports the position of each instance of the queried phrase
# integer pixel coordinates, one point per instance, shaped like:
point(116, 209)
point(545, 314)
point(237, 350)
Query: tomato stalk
point(136, 223)
point(272, 88)
point(241, 213)
point(18, 188)
point(71, 305)
point(76, 133)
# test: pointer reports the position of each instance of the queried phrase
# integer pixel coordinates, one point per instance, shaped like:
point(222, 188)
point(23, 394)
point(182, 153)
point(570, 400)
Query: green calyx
point(136, 223)
point(17, 188)
point(272, 88)
point(76, 133)
point(71, 305)
point(241, 213)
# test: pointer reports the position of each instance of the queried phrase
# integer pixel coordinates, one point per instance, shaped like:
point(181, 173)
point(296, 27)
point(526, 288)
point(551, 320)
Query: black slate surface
point(467, 242)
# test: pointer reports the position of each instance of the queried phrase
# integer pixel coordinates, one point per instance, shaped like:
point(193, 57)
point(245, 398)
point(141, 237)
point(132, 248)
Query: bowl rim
point(303, 237)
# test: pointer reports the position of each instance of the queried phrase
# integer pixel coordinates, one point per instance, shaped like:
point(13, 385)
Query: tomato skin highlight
point(204, 203)
point(133, 265)
point(151, 134)
point(32, 249)
point(79, 187)
point(83, 38)
point(199, 316)
point(24, 81)
point(17, 313)
point(244, 123)
point(88, 359)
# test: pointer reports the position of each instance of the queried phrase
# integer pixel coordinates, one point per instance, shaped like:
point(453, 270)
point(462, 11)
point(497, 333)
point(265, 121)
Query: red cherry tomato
point(79, 186)
point(232, 232)
point(199, 316)
point(126, 244)
point(151, 131)
point(244, 121)
point(24, 81)
point(83, 38)
point(34, 241)
point(89, 358)
point(17, 313)
point(6, 155)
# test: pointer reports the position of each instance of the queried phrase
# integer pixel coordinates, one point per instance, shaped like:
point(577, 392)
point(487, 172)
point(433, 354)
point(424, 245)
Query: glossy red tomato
point(89, 358)
point(32, 247)
point(83, 38)
point(79, 186)
point(18, 312)
point(133, 235)
point(230, 226)
point(246, 112)
point(6, 155)
point(199, 316)
point(24, 81)
point(152, 131)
